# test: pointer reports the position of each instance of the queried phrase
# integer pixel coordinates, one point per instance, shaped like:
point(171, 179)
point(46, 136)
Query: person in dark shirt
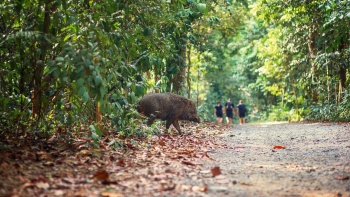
point(241, 112)
point(229, 110)
point(218, 112)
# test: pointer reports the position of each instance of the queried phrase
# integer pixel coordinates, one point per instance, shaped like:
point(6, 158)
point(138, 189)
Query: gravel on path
point(282, 159)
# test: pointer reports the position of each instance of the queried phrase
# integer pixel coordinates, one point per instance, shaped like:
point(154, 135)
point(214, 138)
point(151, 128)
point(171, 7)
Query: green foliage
point(88, 61)
point(64, 64)
point(286, 114)
point(331, 111)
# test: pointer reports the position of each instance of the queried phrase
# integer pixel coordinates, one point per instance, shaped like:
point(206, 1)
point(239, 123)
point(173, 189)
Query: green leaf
point(81, 91)
point(139, 90)
point(132, 96)
point(95, 137)
point(69, 119)
point(102, 91)
point(98, 131)
point(92, 128)
point(201, 7)
point(147, 31)
point(87, 63)
point(118, 105)
point(97, 80)
point(86, 97)
point(59, 59)
point(52, 69)
point(79, 83)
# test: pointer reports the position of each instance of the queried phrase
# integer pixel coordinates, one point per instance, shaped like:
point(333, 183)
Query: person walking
point(229, 110)
point(241, 110)
point(218, 112)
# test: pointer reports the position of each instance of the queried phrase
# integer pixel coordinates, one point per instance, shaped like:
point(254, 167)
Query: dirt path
point(210, 160)
point(315, 161)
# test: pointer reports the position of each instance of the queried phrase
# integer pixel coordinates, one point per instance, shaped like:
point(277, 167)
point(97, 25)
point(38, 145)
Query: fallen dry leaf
point(84, 153)
point(42, 185)
point(121, 163)
point(246, 184)
point(199, 189)
point(48, 163)
point(101, 175)
point(279, 147)
point(188, 163)
point(41, 155)
point(215, 171)
point(343, 177)
point(238, 147)
point(111, 194)
point(161, 142)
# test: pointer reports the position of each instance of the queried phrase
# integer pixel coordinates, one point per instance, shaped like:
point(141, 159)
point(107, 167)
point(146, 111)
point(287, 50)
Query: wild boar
point(167, 106)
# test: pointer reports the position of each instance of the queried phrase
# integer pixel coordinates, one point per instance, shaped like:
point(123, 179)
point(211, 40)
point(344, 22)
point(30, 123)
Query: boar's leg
point(167, 124)
point(175, 123)
point(177, 126)
point(151, 119)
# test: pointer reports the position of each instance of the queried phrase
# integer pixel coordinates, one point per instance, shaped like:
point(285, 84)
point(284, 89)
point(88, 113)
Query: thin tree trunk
point(312, 52)
point(39, 67)
point(179, 78)
point(342, 72)
point(156, 78)
point(328, 84)
point(283, 97)
point(98, 117)
point(188, 73)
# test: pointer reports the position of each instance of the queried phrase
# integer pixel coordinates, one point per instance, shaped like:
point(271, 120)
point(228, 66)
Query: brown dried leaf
point(111, 194)
point(343, 177)
point(188, 163)
point(161, 142)
point(4, 165)
point(215, 171)
point(84, 153)
point(101, 175)
point(199, 189)
point(121, 162)
point(279, 147)
point(42, 185)
point(41, 155)
point(247, 184)
point(48, 163)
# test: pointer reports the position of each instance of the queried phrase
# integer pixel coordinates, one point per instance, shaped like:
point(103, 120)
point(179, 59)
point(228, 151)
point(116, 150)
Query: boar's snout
point(193, 117)
point(196, 119)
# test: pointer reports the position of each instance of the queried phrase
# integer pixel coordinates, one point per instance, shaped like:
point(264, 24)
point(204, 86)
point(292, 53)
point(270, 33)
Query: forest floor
point(270, 159)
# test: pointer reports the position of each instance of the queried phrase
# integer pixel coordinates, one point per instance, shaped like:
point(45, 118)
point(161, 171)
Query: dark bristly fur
point(169, 107)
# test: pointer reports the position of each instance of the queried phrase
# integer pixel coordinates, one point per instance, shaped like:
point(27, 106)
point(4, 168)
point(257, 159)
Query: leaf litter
point(209, 160)
point(153, 167)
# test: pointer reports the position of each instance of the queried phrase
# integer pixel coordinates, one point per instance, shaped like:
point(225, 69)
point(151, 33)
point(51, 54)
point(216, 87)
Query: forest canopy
point(67, 66)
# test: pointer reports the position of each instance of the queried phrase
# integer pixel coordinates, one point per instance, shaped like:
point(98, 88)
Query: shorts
point(219, 114)
point(241, 115)
point(229, 114)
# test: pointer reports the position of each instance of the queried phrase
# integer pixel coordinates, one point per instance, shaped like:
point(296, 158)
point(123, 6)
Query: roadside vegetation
point(73, 66)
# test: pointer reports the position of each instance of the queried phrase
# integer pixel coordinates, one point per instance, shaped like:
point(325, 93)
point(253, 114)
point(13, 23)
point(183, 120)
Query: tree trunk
point(156, 78)
point(39, 67)
point(98, 117)
point(179, 78)
point(188, 73)
point(312, 52)
point(342, 76)
point(343, 66)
